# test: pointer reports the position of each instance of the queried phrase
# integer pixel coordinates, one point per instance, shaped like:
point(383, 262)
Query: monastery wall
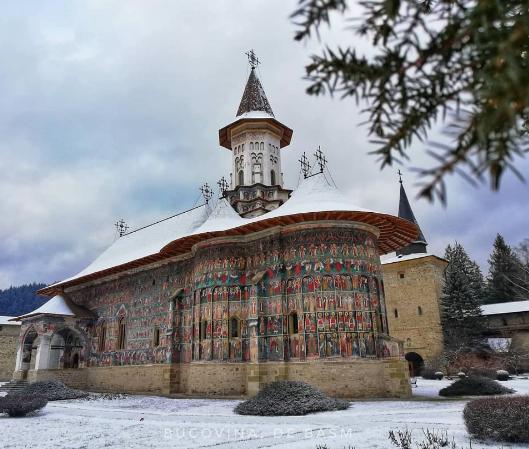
point(8, 350)
point(413, 290)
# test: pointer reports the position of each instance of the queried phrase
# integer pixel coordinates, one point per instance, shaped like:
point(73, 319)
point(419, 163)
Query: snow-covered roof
point(4, 321)
point(385, 260)
point(314, 194)
point(505, 307)
point(146, 241)
point(59, 305)
point(314, 199)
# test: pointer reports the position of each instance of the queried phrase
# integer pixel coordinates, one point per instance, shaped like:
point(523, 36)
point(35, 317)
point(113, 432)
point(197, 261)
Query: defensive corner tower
point(255, 139)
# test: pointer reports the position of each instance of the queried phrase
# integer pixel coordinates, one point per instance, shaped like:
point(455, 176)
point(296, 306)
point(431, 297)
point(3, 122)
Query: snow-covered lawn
point(153, 422)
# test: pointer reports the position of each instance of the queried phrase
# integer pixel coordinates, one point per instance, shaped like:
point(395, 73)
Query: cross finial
point(320, 159)
point(305, 165)
point(223, 185)
point(252, 59)
point(121, 227)
point(400, 175)
point(207, 192)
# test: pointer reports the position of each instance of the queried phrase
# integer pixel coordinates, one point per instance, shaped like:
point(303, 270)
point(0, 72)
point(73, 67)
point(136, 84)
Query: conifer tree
point(506, 281)
point(461, 299)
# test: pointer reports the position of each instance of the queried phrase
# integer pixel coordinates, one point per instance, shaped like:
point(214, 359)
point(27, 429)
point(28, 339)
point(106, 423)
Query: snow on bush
point(285, 398)
point(499, 419)
point(53, 390)
point(16, 405)
point(474, 386)
point(502, 375)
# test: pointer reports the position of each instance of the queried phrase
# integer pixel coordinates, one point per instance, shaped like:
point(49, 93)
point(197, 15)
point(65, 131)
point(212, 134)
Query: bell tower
point(255, 139)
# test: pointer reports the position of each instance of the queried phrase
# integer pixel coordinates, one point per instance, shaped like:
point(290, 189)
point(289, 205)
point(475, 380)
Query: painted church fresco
point(300, 295)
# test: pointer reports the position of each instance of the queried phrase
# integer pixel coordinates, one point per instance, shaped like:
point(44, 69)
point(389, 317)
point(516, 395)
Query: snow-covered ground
point(153, 422)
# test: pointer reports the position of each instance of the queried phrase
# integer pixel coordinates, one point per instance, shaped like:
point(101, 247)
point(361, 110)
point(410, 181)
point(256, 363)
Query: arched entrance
point(65, 349)
point(415, 363)
point(29, 352)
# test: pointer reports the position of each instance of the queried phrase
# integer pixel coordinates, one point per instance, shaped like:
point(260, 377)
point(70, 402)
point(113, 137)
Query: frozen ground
point(152, 422)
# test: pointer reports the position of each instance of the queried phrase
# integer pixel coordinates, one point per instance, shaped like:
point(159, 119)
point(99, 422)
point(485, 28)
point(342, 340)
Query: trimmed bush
point(53, 390)
point(502, 375)
point(461, 374)
point(439, 375)
point(499, 419)
point(17, 405)
point(286, 398)
point(474, 386)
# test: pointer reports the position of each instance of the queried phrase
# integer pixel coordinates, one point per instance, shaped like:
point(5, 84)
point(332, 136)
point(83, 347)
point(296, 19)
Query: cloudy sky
point(111, 109)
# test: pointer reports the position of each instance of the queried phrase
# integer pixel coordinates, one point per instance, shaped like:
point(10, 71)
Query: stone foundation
point(387, 378)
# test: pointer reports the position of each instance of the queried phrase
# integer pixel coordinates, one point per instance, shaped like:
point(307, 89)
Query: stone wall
point(347, 379)
point(8, 350)
point(410, 285)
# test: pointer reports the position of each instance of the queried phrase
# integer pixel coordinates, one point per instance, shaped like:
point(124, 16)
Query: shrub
point(53, 390)
point(20, 404)
point(502, 375)
point(439, 375)
point(285, 398)
point(500, 419)
point(474, 386)
point(461, 375)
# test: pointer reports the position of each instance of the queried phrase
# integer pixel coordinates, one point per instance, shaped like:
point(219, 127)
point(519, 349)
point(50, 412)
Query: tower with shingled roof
point(255, 139)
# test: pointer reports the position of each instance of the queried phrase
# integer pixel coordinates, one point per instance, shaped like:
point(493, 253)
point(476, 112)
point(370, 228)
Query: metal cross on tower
point(252, 59)
point(121, 227)
point(320, 159)
point(400, 175)
point(305, 165)
point(223, 185)
point(207, 192)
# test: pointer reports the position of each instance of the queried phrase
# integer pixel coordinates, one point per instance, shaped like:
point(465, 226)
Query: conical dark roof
point(254, 98)
point(405, 211)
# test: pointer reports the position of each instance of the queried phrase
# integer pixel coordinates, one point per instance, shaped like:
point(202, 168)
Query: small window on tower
point(272, 177)
point(401, 274)
point(241, 178)
point(396, 312)
point(419, 310)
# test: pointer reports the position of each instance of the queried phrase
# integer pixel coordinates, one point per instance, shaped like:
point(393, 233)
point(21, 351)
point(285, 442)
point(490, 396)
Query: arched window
point(241, 178)
point(419, 310)
point(396, 312)
point(262, 146)
point(203, 329)
point(102, 337)
point(272, 177)
point(122, 333)
point(293, 323)
point(235, 327)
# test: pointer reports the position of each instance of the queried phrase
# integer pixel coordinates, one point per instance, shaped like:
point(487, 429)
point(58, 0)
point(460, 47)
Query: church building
point(261, 284)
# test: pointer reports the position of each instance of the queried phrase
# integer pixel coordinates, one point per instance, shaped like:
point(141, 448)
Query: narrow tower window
point(272, 177)
point(396, 312)
point(241, 178)
point(419, 310)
